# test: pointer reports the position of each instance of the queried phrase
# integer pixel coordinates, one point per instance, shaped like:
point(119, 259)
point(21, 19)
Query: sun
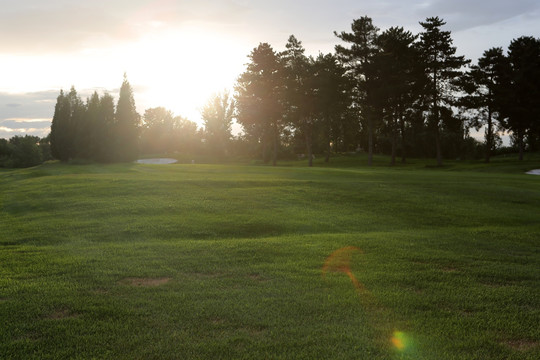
point(180, 69)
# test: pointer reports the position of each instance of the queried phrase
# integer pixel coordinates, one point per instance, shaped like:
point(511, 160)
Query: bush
point(20, 152)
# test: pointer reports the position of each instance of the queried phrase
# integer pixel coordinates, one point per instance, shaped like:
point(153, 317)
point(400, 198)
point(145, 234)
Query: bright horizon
point(177, 54)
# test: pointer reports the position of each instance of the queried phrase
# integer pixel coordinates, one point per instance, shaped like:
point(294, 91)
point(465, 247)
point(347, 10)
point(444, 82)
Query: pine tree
point(126, 124)
point(92, 122)
point(443, 69)
point(521, 109)
point(78, 129)
point(485, 93)
point(67, 138)
point(332, 99)
point(59, 129)
point(395, 81)
point(358, 59)
point(258, 99)
point(299, 92)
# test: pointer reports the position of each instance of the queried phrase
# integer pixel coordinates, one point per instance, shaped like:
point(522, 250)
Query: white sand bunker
point(157, 161)
point(534, 172)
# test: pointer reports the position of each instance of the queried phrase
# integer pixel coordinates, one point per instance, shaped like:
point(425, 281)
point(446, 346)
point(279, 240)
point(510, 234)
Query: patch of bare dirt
point(29, 336)
point(145, 282)
point(217, 321)
point(62, 313)
point(522, 345)
point(449, 269)
point(211, 275)
point(467, 312)
point(257, 277)
point(101, 291)
point(253, 330)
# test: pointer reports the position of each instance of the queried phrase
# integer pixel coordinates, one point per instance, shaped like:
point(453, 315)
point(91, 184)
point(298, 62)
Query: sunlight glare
point(176, 68)
point(180, 70)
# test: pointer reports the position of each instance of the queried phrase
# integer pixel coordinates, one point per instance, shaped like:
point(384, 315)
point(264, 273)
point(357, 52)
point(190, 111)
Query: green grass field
point(235, 262)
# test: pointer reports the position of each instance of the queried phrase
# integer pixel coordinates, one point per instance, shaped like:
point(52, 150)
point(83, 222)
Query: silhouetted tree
point(59, 128)
point(217, 115)
point(485, 93)
point(66, 133)
point(103, 132)
point(157, 131)
point(25, 151)
point(357, 60)
point(300, 93)
point(100, 121)
point(258, 94)
point(332, 99)
point(126, 124)
point(5, 152)
point(187, 137)
point(92, 124)
point(521, 106)
point(395, 81)
point(45, 147)
point(443, 69)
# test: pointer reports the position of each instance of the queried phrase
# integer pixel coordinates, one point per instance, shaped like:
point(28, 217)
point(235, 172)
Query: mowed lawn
point(244, 262)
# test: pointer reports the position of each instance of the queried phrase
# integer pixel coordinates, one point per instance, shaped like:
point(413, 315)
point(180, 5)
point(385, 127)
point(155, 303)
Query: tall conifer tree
point(300, 100)
point(396, 80)
point(126, 124)
point(258, 99)
point(444, 70)
point(522, 106)
point(484, 85)
point(358, 59)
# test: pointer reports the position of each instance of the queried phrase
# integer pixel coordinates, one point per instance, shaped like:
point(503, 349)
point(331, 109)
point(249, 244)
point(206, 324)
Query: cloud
point(25, 123)
point(28, 113)
point(53, 26)
point(465, 14)
point(34, 105)
point(61, 26)
point(7, 132)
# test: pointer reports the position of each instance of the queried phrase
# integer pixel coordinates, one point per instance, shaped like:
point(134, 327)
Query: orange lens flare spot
point(340, 261)
point(399, 340)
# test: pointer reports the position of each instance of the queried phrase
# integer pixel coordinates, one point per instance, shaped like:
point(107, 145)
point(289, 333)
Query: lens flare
point(340, 261)
point(399, 340)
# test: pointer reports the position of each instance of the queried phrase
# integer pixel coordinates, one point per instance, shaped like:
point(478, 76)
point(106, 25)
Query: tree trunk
point(438, 145)
point(393, 161)
point(489, 135)
point(520, 144)
point(309, 149)
point(370, 141)
point(264, 144)
point(328, 148)
point(402, 130)
point(437, 120)
point(276, 144)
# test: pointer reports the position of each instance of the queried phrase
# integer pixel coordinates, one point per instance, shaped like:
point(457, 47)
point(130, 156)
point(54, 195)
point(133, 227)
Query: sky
point(176, 54)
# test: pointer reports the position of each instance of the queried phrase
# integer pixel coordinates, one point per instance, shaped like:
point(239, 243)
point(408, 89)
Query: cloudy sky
point(177, 53)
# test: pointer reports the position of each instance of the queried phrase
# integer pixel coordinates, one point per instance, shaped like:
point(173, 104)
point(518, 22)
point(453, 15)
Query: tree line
point(95, 130)
point(391, 92)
